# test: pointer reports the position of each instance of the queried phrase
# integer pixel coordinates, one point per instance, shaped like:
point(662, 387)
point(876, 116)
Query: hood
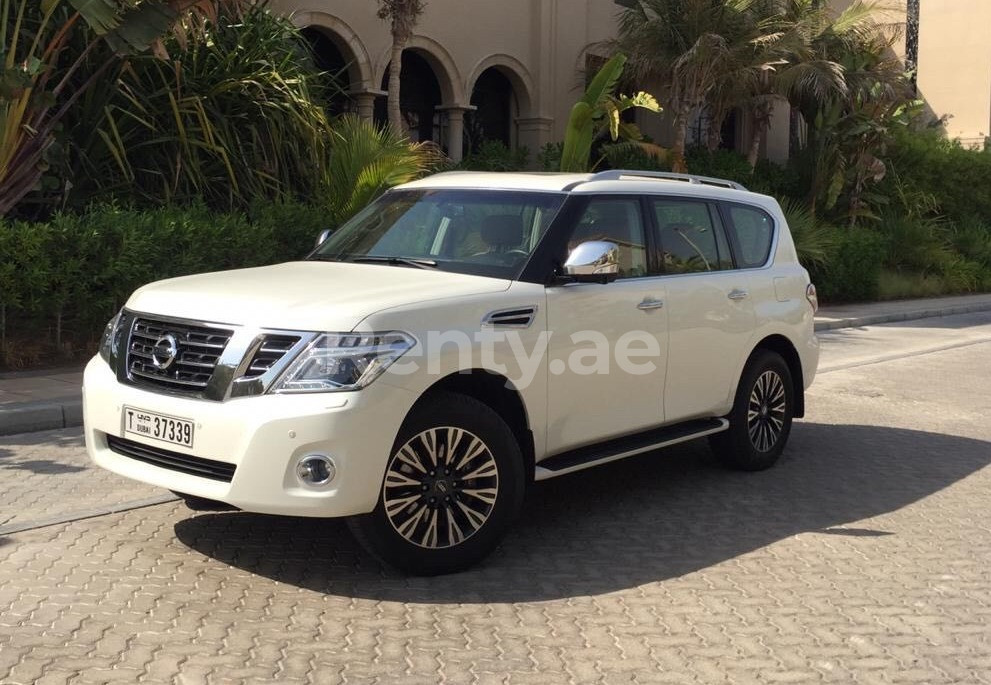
point(314, 296)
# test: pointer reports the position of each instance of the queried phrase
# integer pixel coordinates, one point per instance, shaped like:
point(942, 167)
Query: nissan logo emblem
point(165, 351)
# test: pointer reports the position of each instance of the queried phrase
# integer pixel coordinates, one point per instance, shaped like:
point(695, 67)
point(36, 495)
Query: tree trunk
point(680, 136)
point(756, 138)
point(395, 71)
point(714, 136)
point(762, 120)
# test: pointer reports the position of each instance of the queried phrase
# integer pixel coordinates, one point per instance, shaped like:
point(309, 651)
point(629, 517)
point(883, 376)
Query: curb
point(912, 315)
point(31, 417)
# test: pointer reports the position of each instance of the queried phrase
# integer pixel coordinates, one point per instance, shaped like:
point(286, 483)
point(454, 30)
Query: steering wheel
point(507, 258)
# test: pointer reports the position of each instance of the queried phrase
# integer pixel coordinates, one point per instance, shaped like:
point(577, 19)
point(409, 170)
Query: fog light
point(316, 469)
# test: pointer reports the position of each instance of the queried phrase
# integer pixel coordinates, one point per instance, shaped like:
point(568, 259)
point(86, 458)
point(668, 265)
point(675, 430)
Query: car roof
point(613, 181)
point(499, 180)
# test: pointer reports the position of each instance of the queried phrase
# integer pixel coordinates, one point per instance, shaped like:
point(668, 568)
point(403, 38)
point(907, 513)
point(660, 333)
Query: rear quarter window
point(752, 231)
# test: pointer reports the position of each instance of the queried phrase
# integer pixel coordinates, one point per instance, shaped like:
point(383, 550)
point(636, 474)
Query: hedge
point(956, 178)
point(61, 280)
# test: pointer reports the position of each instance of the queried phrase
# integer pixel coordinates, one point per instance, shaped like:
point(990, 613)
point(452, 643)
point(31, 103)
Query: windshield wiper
point(397, 261)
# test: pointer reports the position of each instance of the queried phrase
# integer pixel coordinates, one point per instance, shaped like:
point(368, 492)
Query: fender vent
point(520, 317)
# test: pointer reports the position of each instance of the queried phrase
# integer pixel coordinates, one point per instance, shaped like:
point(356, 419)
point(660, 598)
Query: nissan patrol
point(461, 337)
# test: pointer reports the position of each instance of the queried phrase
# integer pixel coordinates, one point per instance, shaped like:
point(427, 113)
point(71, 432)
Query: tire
point(756, 438)
point(431, 519)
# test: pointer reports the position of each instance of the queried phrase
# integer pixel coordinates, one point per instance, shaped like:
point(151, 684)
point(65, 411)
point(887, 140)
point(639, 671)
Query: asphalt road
point(864, 556)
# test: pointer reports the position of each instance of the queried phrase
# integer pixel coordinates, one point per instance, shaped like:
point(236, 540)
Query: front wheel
point(760, 421)
point(453, 484)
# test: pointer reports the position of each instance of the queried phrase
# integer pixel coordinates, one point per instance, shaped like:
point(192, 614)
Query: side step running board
point(626, 446)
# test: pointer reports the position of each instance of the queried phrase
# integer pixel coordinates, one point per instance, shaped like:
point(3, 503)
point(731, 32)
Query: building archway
point(330, 59)
point(501, 94)
point(495, 111)
point(345, 41)
point(420, 97)
point(339, 51)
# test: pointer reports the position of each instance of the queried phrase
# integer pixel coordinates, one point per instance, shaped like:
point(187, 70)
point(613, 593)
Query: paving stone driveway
point(865, 556)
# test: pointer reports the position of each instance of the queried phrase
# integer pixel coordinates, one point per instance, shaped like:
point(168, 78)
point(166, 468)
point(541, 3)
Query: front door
point(608, 342)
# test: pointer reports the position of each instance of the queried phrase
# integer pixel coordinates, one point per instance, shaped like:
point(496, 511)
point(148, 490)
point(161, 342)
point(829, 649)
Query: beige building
point(954, 73)
point(510, 70)
point(950, 48)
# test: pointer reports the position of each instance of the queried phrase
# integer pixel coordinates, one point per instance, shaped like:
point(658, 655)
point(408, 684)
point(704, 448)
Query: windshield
point(481, 232)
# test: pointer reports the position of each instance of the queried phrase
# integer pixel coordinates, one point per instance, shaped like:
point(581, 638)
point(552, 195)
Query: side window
point(691, 238)
point(617, 220)
point(754, 231)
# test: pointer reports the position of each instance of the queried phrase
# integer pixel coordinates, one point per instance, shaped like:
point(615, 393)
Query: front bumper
point(264, 437)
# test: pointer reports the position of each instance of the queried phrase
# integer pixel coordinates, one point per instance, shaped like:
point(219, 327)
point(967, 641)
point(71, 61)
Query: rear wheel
point(453, 484)
point(761, 419)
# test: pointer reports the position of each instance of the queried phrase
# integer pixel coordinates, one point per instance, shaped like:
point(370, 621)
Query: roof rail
point(618, 174)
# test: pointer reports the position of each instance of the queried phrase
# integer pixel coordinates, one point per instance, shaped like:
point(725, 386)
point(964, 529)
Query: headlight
point(110, 342)
point(343, 361)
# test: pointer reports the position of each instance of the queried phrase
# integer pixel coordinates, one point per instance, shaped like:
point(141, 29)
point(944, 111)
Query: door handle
point(737, 294)
point(650, 303)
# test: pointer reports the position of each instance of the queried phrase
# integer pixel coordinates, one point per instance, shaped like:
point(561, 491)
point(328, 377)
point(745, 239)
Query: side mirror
point(595, 261)
point(324, 234)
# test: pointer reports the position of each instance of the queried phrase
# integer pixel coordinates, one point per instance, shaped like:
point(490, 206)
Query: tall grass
point(228, 118)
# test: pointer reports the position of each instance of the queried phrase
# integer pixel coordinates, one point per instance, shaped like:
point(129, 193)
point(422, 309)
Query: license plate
point(148, 424)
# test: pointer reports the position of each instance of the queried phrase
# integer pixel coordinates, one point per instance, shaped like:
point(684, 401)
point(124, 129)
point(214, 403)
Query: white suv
point(462, 337)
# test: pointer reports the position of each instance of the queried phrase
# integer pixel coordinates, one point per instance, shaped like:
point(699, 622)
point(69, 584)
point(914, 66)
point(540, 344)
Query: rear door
point(709, 308)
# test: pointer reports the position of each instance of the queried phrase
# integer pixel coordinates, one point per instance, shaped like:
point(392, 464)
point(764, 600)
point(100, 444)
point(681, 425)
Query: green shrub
point(955, 177)
point(960, 275)
point(726, 164)
point(783, 182)
point(629, 155)
point(852, 268)
point(914, 244)
point(549, 157)
point(972, 239)
point(897, 285)
point(62, 279)
point(493, 155)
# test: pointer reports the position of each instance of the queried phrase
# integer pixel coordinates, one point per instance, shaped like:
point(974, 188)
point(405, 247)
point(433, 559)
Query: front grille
point(273, 348)
point(183, 463)
point(199, 350)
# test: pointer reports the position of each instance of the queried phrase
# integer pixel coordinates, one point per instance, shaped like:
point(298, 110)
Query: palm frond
point(365, 161)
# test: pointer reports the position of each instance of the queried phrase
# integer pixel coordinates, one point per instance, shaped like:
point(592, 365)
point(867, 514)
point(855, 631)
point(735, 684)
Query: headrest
point(502, 230)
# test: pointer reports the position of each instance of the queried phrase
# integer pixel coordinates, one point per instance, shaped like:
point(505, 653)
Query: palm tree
point(687, 45)
point(849, 88)
point(756, 55)
point(402, 16)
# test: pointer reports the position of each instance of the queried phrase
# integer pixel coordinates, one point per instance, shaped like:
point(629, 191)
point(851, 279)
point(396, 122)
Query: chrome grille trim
point(200, 348)
point(241, 362)
point(272, 349)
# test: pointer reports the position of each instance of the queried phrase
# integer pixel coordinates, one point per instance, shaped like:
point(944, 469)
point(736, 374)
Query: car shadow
point(638, 521)
point(57, 439)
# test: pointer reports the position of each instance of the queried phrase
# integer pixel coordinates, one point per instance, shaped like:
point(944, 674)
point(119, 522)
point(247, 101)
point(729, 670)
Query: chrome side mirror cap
point(324, 234)
point(593, 261)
